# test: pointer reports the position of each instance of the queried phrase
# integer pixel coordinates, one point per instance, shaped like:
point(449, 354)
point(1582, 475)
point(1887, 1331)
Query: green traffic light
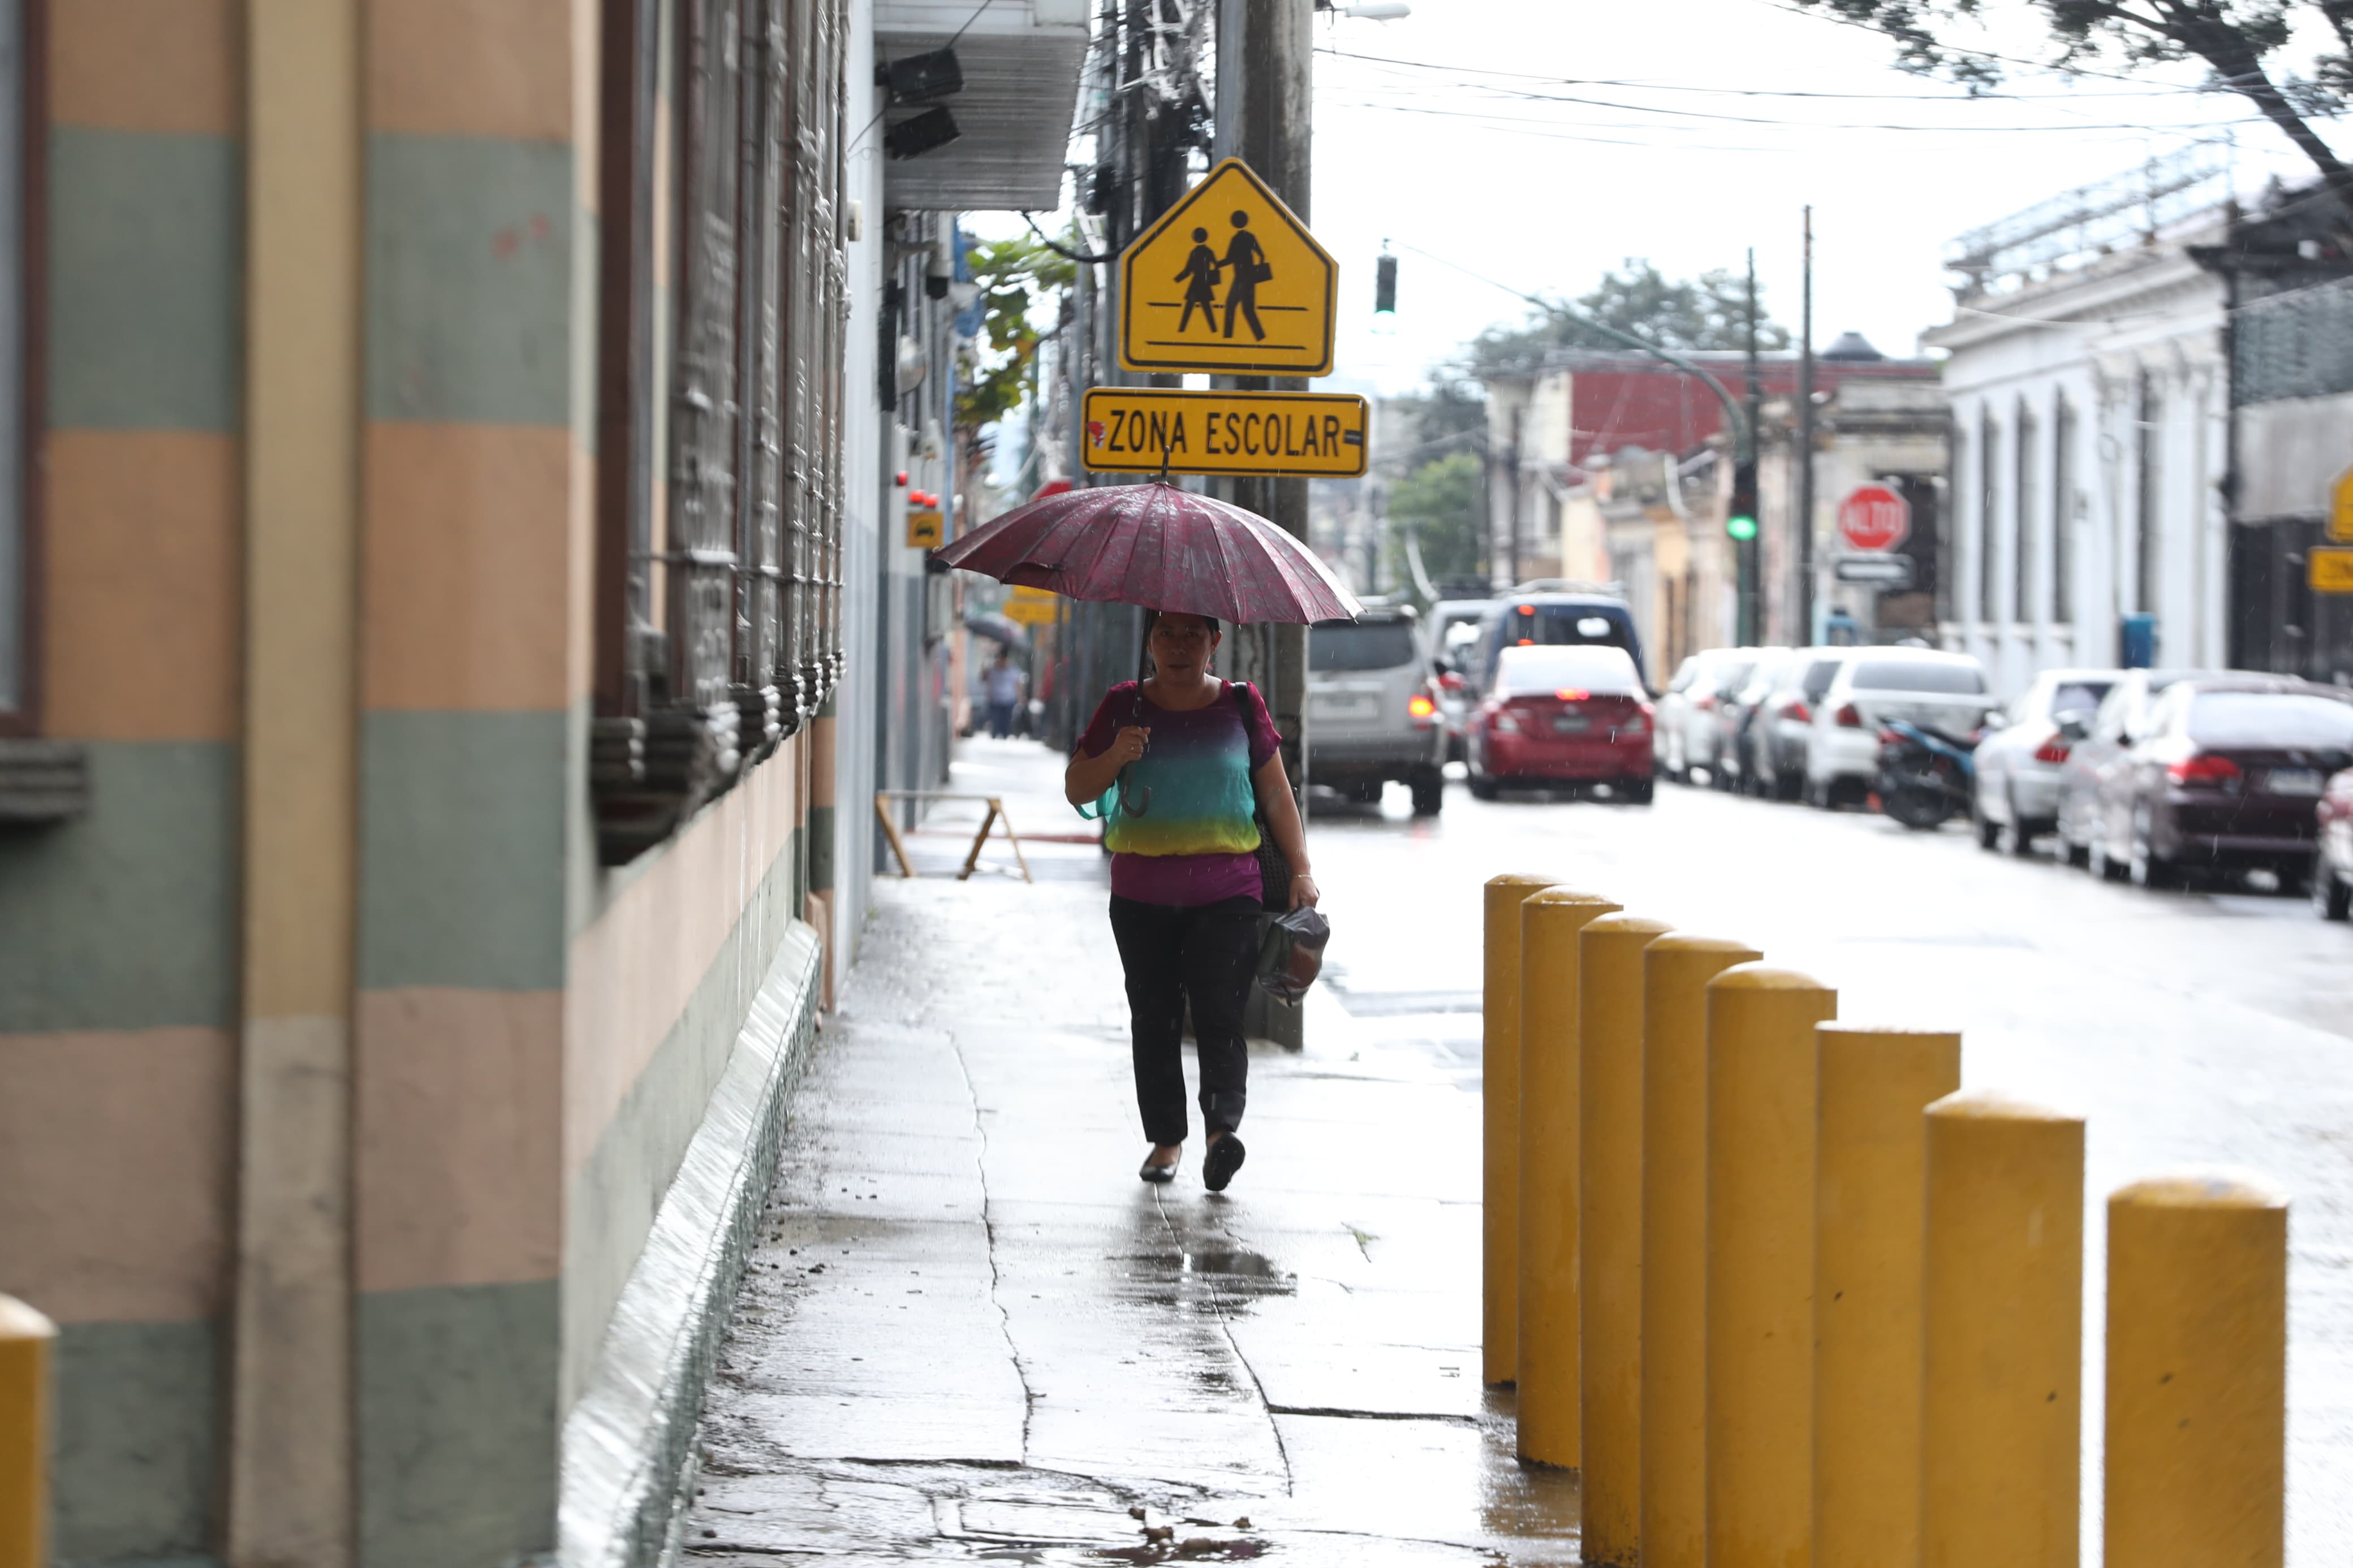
point(1740, 527)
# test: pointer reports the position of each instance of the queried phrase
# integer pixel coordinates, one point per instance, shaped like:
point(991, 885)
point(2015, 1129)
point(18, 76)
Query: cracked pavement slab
point(969, 1333)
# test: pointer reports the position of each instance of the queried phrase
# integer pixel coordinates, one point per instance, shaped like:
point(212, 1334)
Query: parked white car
point(1943, 692)
point(2021, 766)
point(1689, 731)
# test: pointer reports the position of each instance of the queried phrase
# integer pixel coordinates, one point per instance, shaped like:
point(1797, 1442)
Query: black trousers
point(1206, 954)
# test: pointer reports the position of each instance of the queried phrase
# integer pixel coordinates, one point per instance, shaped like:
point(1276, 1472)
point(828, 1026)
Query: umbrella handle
point(1137, 803)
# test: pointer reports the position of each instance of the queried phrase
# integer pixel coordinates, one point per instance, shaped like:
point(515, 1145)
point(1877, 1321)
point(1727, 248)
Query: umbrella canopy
point(1001, 630)
point(1160, 547)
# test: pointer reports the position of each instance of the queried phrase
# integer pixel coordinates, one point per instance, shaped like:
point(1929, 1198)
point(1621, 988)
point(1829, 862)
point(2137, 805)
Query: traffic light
point(1384, 293)
point(1740, 516)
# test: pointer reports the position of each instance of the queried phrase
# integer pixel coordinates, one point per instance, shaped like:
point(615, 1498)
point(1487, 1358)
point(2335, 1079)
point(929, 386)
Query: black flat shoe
point(1159, 1174)
point(1224, 1158)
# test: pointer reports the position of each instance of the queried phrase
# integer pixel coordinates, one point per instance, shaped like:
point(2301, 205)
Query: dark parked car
point(2096, 750)
point(1550, 619)
point(2228, 778)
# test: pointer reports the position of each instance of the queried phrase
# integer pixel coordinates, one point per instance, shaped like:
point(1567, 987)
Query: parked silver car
point(1944, 691)
point(2021, 766)
point(1782, 732)
point(1372, 708)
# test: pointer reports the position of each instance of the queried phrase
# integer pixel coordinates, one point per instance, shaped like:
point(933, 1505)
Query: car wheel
point(1633, 792)
point(1482, 788)
point(2018, 833)
point(2147, 869)
point(2078, 855)
point(1988, 831)
point(2331, 898)
point(1428, 788)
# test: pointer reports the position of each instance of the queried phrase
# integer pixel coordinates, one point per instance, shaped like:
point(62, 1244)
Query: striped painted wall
point(117, 931)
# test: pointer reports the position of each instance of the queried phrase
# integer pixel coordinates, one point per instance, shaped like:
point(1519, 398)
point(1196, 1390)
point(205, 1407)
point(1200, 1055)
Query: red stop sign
point(1873, 518)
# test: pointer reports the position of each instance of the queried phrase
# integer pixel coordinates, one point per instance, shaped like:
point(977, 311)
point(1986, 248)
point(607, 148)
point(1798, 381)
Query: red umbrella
point(1160, 547)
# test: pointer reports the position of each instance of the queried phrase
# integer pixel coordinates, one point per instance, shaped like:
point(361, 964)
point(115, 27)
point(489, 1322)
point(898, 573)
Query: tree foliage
point(1013, 276)
point(1441, 504)
point(1710, 312)
point(2239, 41)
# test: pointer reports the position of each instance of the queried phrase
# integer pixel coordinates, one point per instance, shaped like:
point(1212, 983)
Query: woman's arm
point(1281, 814)
point(1088, 777)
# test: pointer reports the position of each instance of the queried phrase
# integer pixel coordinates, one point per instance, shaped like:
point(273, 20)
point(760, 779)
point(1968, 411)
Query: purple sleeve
point(1104, 728)
point(1263, 741)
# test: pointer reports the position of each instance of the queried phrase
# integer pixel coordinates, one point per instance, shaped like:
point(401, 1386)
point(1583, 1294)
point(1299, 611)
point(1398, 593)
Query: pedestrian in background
point(1204, 769)
point(1002, 685)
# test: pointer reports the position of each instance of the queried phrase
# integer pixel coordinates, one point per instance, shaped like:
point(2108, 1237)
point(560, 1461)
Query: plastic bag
point(1291, 953)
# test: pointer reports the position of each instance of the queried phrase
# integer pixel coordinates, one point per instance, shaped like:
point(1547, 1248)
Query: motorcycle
point(1925, 776)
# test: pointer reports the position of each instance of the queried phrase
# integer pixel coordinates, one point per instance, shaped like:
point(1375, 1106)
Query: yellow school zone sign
point(2330, 571)
point(1229, 281)
point(1143, 430)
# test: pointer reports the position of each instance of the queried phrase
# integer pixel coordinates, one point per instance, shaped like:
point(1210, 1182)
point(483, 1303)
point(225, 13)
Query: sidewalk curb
point(627, 1449)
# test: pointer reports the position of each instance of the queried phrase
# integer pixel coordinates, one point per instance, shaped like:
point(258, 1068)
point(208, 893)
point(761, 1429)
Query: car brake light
point(1527, 642)
point(1527, 609)
point(2053, 749)
point(1450, 681)
point(1850, 717)
point(1889, 738)
point(2204, 771)
point(1703, 703)
point(1421, 707)
point(1799, 712)
point(1572, 694)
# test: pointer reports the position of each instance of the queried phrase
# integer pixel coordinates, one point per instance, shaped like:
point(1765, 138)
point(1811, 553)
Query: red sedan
point(1563, 715)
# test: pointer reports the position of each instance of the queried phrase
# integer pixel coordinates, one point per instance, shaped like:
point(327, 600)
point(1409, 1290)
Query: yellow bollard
point(1874, 1155)
point(2002, 1321)
point(1760, 1265)
point(26, 1339)
point(1499, 1073)
point(2197, 1375)
point(1675, 973)
point(1609, 1234)
point(1548, 1124)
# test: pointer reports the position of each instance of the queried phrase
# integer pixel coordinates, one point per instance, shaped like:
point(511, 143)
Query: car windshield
point(1548, 626)
point(2271, 719)
point(1819, 676)
point(1604, 671)
point(1730, 678)
point(1934, 675)
point(1366, 645)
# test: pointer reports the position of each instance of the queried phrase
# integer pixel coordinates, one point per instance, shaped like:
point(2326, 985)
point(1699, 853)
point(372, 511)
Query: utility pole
point(1264, 105)
point(1804, 453)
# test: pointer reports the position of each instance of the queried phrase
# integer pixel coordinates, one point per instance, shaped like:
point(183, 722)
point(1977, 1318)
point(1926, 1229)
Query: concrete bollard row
point(1783, 1293)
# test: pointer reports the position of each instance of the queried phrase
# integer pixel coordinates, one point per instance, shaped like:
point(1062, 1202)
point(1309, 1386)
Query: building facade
point(452, 564)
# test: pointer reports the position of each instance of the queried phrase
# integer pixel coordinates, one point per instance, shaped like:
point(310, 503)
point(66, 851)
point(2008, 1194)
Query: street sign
point(1890, 572)
point(926, 527)
point(1319, 435)
point(1228, 280)
point(2330, 571)
point(2341, 509)
point(1030, 606)
point(1874, 518)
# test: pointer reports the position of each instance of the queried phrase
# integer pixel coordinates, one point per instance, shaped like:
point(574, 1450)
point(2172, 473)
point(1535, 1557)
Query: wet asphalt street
point(971, 1335)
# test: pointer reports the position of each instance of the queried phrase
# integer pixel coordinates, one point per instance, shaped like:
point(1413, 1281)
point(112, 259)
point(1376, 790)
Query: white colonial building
point(2090, 405)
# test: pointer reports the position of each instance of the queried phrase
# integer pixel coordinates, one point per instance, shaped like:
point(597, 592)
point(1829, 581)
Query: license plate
point(1570, 724)
point(1347, 708)
point(2292, 780)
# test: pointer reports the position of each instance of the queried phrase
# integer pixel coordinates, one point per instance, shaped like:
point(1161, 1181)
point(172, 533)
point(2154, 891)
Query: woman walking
point(1185, 887)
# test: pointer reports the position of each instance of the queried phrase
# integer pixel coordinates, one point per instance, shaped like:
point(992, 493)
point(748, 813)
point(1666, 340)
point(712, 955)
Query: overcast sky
point(1704, 126)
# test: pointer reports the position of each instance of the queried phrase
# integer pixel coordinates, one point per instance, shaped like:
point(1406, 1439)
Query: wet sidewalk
point(970, 1333)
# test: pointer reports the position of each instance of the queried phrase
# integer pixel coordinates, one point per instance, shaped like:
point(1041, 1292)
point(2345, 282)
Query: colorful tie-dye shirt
point(1197, 843)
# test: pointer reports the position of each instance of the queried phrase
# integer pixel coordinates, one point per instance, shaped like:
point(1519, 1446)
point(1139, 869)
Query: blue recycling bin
point(2136, 638)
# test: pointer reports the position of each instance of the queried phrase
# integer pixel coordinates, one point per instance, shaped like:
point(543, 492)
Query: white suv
point(1942, 691)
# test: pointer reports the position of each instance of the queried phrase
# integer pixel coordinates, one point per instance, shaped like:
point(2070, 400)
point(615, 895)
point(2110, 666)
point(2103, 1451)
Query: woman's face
point(1182, 645)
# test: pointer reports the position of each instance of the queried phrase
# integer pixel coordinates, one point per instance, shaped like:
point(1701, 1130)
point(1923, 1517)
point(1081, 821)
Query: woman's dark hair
point(1153, 619)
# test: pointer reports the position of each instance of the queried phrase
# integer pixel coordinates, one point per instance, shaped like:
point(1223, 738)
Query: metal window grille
point(2298, 344)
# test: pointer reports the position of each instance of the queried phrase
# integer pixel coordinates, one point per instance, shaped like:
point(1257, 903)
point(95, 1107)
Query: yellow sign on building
point(1141, 429)
point(927, 528)
point(2330, 571)
point(2341, 509)
point(1031, 606)
point(1229, 281)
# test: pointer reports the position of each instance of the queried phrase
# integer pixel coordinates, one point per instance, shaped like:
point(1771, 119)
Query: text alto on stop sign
point(1874, 518)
